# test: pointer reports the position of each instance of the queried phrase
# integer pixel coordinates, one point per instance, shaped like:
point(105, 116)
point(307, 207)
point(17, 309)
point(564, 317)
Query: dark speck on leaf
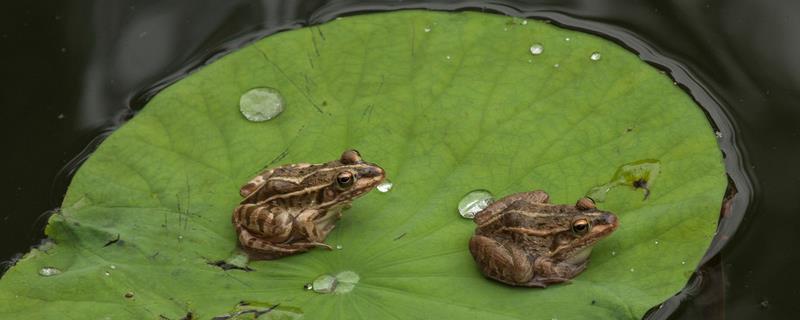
point(112, 241)
point(227, 266)
point(642, 184)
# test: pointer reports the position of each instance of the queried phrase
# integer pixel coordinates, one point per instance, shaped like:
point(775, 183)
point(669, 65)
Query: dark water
point(74, 70)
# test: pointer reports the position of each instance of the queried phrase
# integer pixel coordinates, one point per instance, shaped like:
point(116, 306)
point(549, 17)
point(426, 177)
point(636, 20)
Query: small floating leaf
point(167, 181)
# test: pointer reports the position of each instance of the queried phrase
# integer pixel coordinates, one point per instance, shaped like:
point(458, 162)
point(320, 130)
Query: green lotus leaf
point(446, 103)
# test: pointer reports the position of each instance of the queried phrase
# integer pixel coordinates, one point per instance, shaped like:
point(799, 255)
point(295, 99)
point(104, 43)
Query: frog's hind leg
point(259, 249)
point(273, 225)
point(507, 264)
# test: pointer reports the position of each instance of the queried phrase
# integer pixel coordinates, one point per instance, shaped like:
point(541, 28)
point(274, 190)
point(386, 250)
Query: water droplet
point(261, 104)
point(505, 29)
point(347, 281)
point(129, 295)
point(595, 56)
point(447, 57)
point(537, 49)
point(524, 22)
point(107, 273)
point(427, 29)
point(112, 266)
point(343, 282)
point(49, 271)
point(385, 186)
point(683, 262)
point(180, 237)
point(530, 60)
point(339, 247)
point(764, 304)
point(556, 65)
point(308, 286)
point(632, 270)
point(567, 39)
point(718, 134)
point(473, 202)
point(613, 253)
point(60, 116)
point(638, 174)
point(324, 284)
point(656, 242)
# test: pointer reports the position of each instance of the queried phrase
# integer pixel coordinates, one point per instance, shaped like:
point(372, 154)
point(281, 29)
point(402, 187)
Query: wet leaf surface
point(446, 103)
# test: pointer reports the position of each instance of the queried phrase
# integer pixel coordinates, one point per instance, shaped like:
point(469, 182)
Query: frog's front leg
point(547, 272)
point(308, 224)
point(507, 264)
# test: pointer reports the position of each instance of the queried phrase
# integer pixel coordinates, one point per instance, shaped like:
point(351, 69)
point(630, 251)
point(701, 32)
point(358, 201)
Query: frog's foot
point(544, 282)
point(509, 265)
point(314, 244)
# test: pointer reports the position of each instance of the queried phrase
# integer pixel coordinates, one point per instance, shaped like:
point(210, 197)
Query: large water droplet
point(595, 56)
point(343, 282)
point(324, 284)
point(473, 202)
point(347, 281)
point(49, 271)
point(537, 49)
point(261, 104)
point(385, 186)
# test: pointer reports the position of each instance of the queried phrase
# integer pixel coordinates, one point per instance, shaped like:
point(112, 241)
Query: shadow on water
point(104, 60)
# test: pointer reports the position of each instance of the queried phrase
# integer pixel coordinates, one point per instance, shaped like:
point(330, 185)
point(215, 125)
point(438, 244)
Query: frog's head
point(347, 178)
point(580, 230)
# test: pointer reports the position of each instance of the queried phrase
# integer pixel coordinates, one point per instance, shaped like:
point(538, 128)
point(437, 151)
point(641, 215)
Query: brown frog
point(292, 208)
point(522, 240)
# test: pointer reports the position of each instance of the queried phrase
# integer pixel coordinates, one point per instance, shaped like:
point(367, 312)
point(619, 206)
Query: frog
point(292, 208)
point(523, 240)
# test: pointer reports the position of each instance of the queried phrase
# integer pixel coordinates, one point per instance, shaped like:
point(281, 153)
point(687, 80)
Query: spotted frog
point(292, 208)
point(523, 240)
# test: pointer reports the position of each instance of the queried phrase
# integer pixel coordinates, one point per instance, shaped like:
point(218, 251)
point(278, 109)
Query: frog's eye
point(345, 179)
point(580, 226)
